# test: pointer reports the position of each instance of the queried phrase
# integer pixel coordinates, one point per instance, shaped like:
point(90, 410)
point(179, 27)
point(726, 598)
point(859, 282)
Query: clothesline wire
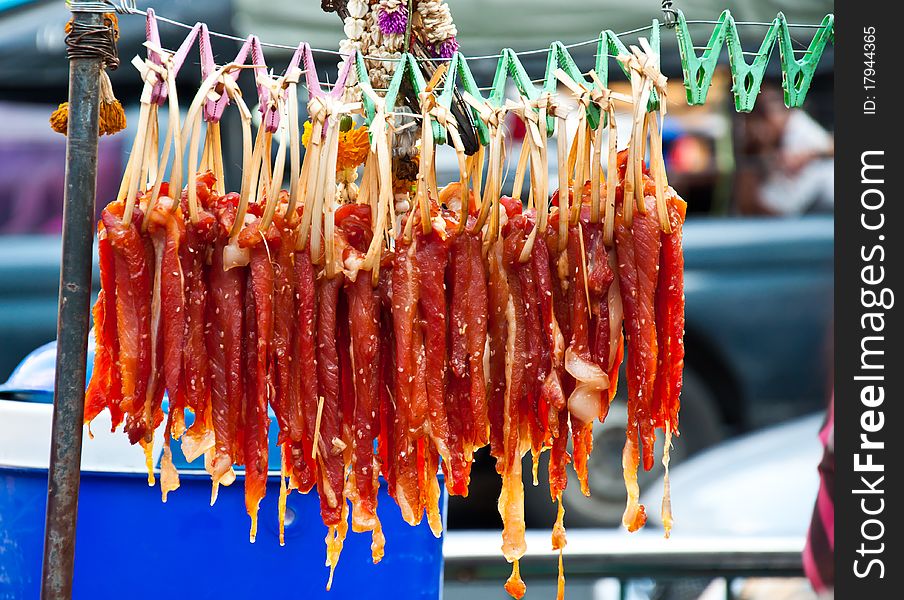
point(130, 8)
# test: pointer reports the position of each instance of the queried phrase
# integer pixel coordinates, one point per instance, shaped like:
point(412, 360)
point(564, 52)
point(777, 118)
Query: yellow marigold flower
point(306, 134)
point(354, 145)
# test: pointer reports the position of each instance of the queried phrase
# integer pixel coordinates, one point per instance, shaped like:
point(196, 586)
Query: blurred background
point(758, 244)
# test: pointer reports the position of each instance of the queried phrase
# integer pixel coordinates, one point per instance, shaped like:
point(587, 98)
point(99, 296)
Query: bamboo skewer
point(523, 157)
point(312, 165)
point(191, 130)
point(426, 166)
point(250, 183)
point(279, 165)
point(579, 171)
point(172, 138)
point(596, 168)
point(645, 76)
point(494, 118)
point(611, 181)
point(562, 147)
point(476, 177)
point(530, 149)
point(294, 148)
point(149, 167)
point(463, 178)
point(136, 160)
point(328, 198)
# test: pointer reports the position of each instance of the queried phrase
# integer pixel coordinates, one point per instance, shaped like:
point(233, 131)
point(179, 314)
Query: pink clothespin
point(310, 73)
point(304, 53)
point(213, 109)
point(268, 105)
point(156, 56)
point(300, 53)
point(152, 36)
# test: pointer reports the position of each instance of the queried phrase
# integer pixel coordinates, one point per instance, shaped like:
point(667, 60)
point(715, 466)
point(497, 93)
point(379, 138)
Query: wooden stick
point(247, 143)
point(477, 173)
point(521, 168)
point(572, 155)
point(250, 174)
point(487, 199)
point(279, 166)
point(657, 166)
point(317, 429)
point(543, 174)
point(463, 176)
point(494, 183)
point(173, 129)
point(294, 153)
point(584, 269)
point(124, 184)
point(312, 164)
point(426, 165)
point(580, 169)
point(611, 181)
point(207, 150)
point(562, 146)
point(640, 158)
point(596, 168)
point(192, 191)
point(138, 150)
point(217, 154)
point(538, 176)
point(329, 199)
point(149, 168)
point(266, 172)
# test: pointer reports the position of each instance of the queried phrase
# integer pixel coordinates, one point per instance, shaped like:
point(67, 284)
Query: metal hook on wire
point(670, 14)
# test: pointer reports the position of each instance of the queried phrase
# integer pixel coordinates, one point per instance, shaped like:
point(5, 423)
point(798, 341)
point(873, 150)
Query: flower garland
point(438, 27)
point(377, 28)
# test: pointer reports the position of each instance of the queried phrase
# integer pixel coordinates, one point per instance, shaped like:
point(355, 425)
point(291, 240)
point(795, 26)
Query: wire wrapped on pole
point(89, 41)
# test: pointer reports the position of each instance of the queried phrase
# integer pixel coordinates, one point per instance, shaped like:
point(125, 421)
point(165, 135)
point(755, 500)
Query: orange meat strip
point(105, 388)
point(133, 316)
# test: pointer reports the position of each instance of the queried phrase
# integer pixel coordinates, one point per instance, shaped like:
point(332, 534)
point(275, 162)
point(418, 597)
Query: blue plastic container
point(131, 545)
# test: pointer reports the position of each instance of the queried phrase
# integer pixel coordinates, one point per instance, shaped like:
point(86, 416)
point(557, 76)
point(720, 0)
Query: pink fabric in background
point(32, 168)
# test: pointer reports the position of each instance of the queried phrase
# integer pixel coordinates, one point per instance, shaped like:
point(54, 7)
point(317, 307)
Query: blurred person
point(785, 160)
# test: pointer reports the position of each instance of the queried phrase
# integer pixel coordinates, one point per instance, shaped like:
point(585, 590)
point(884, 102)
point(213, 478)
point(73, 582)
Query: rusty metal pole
point(72, 320)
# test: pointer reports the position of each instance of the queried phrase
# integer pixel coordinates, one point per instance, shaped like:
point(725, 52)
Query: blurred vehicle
point(761, 484)
point(747, 500)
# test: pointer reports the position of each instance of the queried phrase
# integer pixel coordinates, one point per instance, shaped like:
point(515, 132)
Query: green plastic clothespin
point(510, 66)
point(408, 67)
point(747, 79)
point(368, 91)
point(698, 70)
point(797, 75)
point(560, 58)
point(458, 69)
point(610, 44)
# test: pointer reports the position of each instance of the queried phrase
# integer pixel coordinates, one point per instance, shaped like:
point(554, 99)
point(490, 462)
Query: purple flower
point(393, 22)
point(446, 48)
